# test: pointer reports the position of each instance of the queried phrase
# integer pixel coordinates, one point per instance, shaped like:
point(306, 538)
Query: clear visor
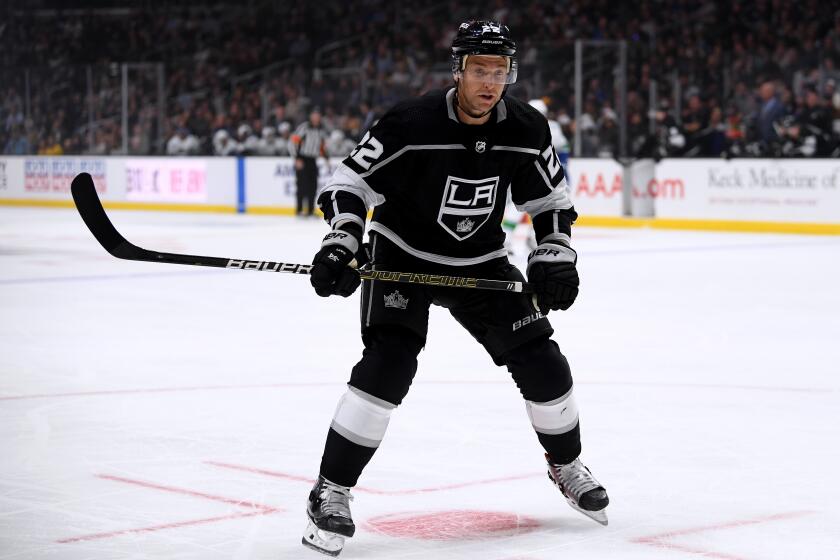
point(490, 75)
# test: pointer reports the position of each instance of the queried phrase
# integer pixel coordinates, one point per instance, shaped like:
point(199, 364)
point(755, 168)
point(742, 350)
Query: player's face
point(481, 83)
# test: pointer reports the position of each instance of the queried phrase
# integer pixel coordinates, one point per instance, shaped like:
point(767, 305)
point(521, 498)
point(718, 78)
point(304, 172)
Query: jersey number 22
point(368, 151)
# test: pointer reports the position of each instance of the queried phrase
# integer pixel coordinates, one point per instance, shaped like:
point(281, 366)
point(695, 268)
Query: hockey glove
point(331, 273)
point(551, 269)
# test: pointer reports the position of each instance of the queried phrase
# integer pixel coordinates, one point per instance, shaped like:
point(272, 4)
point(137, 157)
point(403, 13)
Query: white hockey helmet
point(539, 105)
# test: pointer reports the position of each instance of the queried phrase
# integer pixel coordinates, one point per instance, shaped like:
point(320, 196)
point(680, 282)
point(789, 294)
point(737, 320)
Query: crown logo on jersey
point(464, 226)
point(396, 300)
point(480, 146)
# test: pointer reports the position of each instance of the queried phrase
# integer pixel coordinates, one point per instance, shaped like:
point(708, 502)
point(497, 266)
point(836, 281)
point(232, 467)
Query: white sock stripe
point(554, 417)
point(354, 437)
point(361, 420)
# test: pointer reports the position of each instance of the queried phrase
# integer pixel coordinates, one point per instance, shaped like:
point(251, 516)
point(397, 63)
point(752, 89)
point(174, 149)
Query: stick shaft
point(91, 210)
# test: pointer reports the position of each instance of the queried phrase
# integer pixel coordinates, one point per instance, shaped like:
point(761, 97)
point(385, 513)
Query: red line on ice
point(257, 509)
point(659, 541)
point(154, 528)
point(366, 490)
point(266, 472)
point(186, 492)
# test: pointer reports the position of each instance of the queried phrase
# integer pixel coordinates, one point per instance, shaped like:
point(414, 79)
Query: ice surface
point(162, 411)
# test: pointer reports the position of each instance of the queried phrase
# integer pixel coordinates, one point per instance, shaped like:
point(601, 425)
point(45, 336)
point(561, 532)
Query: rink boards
point(791, 195)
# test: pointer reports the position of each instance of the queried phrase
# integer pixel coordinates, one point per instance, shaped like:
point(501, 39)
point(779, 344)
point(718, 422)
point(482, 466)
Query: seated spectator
point(284, 129)
point(183, 143)
point(247, 141)
point(139, 143)
point(695, 121)
point(18, 144)
point(815, 120)
point(670, 139)
point(51, 147)
point(223, 144)
point(791, 142)
point(338, 145)
point(608, 134)
point(588, 135)
point(712, 139)
point(266, 143)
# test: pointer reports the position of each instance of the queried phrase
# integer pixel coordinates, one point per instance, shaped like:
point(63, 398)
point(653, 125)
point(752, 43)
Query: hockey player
point(558, 139)
point(437, 171)
point(515, 221)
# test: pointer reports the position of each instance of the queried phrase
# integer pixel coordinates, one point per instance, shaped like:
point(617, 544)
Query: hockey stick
point(90, 208)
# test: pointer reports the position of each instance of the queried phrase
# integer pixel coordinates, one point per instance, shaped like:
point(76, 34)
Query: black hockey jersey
point(439, 187)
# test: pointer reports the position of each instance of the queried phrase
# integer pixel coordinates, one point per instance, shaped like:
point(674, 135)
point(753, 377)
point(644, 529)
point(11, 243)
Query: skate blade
point(324, 542)
point(600, 516)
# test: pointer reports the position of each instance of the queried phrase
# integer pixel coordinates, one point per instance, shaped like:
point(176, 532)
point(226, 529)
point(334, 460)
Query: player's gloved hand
point(552, 271)
point(331, 273)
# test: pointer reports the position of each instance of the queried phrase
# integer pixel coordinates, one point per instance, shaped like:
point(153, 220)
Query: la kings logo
point(467, 205)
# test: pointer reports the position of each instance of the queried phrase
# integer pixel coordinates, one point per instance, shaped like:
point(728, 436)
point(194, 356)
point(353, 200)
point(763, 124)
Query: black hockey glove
point(331, 273)
point(551, 269)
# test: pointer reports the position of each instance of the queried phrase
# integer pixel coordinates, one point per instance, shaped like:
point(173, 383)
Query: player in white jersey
point(518, 228)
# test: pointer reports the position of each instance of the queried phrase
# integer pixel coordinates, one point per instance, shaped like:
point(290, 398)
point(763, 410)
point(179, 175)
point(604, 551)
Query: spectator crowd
point(742, 78)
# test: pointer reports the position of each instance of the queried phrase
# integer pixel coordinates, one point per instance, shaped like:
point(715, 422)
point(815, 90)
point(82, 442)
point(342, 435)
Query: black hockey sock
point(562, 448)
point(343, 460)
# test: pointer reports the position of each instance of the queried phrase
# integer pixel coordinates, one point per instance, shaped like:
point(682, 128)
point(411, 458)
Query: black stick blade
point(90, 208)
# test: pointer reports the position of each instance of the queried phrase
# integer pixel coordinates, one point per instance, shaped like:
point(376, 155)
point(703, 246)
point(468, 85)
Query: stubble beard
point(469, 108)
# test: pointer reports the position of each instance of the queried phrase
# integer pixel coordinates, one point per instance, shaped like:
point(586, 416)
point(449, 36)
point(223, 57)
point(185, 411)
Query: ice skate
point(328, 510)
point(582, 491)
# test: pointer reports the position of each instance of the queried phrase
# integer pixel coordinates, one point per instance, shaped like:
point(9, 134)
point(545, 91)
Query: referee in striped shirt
point(307, 143)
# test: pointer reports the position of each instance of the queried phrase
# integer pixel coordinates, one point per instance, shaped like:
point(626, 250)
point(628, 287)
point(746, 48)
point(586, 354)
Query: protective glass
point(492, 76)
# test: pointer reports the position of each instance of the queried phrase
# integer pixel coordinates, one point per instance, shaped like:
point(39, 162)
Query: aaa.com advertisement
point(596, 186)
